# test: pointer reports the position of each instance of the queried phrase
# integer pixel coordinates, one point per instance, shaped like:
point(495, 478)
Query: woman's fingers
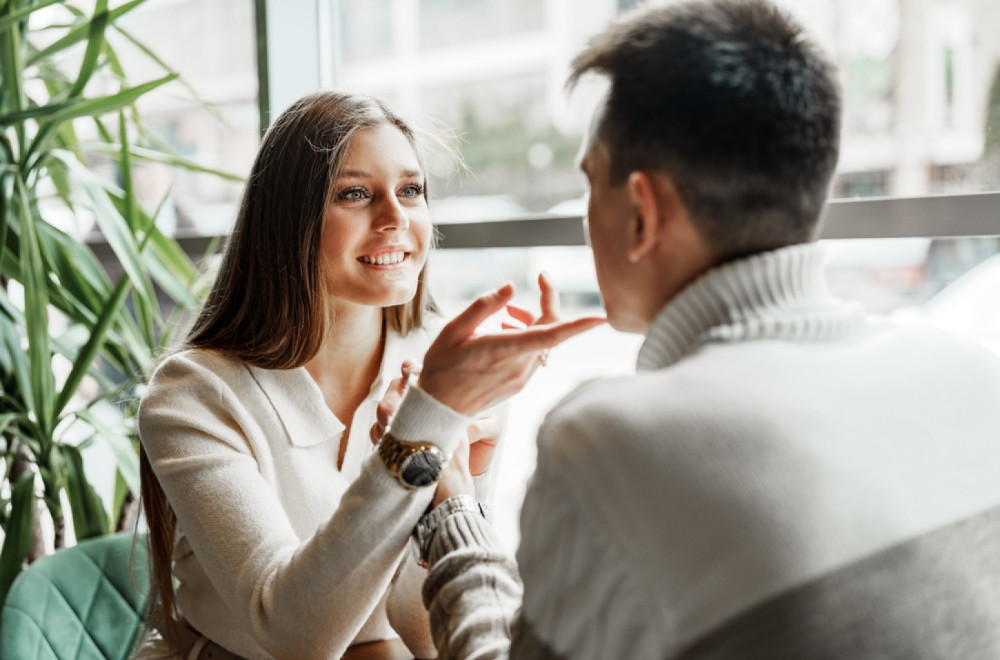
point(483, 435)
point(386, 409)
point(465, 324)
point(521, 314)
point(485, 429)
point(538, 337)
point(410, 369)
point(455, 479)
point(481, 371)
point(393, 396)
point(551, 309)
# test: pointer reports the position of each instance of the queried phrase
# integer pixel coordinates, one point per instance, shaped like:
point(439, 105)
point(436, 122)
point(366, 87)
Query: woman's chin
point(398, 297)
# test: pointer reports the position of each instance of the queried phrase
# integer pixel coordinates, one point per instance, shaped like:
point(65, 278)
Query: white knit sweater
point(772, 436)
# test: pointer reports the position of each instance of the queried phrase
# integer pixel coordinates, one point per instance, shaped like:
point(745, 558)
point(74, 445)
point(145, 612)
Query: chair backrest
point(80, 603)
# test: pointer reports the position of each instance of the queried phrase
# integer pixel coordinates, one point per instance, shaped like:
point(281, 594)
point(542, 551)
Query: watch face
point(421, 468)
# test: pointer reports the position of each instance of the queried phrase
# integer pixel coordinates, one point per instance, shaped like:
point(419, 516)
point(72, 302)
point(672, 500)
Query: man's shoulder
point(626, 406)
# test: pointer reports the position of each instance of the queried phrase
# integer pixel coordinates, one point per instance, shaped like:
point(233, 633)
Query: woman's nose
point(391, 216)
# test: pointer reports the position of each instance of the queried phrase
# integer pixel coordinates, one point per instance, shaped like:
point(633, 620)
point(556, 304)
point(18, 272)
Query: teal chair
point(81, 603)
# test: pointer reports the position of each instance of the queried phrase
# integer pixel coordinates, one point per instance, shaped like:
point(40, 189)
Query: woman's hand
point(455, 479)
point(470, 373)
point(482, 435)
point(390, 402)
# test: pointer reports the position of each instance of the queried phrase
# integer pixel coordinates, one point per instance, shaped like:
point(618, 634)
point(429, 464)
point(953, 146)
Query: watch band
point(429, 522)
point(413, 464)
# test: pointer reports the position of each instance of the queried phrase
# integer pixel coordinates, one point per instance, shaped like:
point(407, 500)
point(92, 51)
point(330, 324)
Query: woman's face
point(376, 226)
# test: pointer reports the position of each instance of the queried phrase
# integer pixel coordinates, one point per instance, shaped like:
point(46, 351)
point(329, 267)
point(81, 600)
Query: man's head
point(726, 113)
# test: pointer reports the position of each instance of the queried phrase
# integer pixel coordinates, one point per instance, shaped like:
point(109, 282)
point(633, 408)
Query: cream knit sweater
point(279, 553)
point(777, 448)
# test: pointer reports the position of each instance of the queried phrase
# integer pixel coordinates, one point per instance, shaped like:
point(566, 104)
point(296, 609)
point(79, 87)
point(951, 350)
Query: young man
point(784, 477)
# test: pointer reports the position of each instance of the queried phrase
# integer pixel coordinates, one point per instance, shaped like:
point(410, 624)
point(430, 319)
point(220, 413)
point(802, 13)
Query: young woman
point(283, 539)
point(285, 533)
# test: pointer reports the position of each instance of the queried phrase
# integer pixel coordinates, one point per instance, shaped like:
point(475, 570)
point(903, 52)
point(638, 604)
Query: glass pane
point(366, 29)
point(922, 93)
point(952, 284)
point(222, 132)
point(921, 83)
point(448, 22)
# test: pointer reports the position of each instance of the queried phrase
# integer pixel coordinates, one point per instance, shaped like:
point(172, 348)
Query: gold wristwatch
point(414, 464)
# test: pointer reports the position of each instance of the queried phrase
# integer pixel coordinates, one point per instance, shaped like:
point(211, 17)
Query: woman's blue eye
point(413, 190)
point(353, 195)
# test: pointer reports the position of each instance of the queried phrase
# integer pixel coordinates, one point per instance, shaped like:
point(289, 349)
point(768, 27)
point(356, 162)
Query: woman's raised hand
point(470, 372)
point(481, 438)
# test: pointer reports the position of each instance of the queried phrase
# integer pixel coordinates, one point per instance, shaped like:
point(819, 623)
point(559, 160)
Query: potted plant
point(65, 320)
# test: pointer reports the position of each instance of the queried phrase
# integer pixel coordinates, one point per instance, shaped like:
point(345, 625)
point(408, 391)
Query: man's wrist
point(429, 523)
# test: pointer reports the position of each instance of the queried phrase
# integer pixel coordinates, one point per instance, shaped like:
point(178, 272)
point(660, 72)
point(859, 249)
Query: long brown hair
point(268, 305)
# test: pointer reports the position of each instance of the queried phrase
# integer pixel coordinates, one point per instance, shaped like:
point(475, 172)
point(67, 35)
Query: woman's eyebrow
point(353, 174)
point(362, 174)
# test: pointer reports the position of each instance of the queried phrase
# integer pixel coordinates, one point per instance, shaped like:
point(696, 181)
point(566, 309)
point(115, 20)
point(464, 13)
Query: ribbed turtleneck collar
point(781, 294)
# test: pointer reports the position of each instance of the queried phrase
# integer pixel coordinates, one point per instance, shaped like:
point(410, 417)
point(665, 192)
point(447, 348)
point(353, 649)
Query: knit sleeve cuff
point(464, 530)
point(422, 418)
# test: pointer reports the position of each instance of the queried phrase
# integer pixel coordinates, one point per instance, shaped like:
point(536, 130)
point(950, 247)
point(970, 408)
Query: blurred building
point(917, 74)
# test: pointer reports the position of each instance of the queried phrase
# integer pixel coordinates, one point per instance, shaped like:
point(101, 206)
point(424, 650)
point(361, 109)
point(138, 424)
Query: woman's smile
point(386, 259)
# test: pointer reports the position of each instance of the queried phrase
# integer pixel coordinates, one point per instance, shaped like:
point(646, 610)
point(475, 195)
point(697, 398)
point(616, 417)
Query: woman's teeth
point(384, 259)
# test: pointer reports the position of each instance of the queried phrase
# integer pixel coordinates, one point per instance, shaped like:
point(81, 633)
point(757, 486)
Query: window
point(222, 132)
point(912, 230)
point(445, 23)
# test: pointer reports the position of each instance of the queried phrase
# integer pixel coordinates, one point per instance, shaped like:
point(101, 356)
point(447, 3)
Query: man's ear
point(646, 224)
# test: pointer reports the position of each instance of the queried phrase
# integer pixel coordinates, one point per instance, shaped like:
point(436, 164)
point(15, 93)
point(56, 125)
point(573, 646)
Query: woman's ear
point(646, 223)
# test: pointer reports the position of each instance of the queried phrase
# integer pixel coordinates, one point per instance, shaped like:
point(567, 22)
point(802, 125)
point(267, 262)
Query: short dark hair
point(734, 103)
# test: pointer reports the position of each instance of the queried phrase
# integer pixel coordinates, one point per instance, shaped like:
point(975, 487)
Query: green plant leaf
point(153, 156)
point(87, 354)
point(78, 33)
point(12, 96)
point(6, 419)
point(120, 445)
point(19, 117)
point(112, 224)
point(7, 211)
point(95, 44)
point(107, 104)
point(81, 276)
point(81, 108)
point(19, 15)
point(17, 541)
point(14, 355)
point(36, 313)
point(89, 515)
point(121, 492)
point(125, 172)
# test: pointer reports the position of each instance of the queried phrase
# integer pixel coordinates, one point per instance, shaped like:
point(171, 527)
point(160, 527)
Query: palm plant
point(66, 321)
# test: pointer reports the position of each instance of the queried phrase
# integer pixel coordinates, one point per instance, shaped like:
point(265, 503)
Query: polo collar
point(298, 401)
